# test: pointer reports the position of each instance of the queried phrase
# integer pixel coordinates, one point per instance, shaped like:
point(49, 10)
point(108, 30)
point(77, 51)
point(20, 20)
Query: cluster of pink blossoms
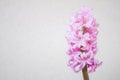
point(82, 37)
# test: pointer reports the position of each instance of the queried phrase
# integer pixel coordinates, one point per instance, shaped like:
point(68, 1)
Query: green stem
point(85, 74)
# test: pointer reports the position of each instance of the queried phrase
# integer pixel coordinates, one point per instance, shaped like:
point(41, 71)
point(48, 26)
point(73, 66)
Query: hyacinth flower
point(82, 41)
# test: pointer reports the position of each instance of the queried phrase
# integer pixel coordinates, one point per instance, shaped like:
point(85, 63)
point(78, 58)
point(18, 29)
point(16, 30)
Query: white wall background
point(33, 45)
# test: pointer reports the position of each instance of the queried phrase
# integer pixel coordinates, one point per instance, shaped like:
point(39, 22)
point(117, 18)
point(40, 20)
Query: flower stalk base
point(85, 73)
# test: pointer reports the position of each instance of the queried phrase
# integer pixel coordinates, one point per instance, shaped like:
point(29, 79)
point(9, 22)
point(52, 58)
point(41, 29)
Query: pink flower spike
point(82, 41)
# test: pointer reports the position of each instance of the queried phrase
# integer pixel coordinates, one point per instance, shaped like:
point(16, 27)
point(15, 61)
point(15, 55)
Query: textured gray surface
point(33, 45)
